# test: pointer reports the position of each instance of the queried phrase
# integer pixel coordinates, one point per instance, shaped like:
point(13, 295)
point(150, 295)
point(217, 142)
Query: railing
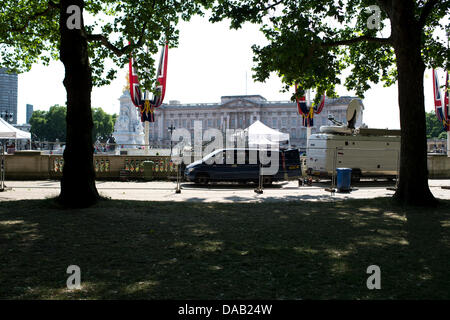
point(111, 166)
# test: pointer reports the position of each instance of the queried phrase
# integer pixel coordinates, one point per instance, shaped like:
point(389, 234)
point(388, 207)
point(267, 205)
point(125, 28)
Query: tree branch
point(51, 5)
point(272, 5)
point(54, 4)
point(105, 42)
point(120, 51)
point(117, 51)
point(426, 11)
point(356, 40)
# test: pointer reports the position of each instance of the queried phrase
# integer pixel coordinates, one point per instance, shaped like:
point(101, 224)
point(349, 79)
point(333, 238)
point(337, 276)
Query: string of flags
point(306, 112)
point(442, 111)
point(146, 105)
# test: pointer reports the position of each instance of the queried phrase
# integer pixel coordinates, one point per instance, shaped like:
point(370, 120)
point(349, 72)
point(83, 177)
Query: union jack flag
point(147, 112)
point(442, 114)
point(162, 78)
point(135, 91)
point(319, 109)
point(447, 103)
point(145, 105)
point(306, 112)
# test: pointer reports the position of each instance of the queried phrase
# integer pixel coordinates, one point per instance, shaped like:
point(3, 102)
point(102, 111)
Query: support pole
point(178, 189)
point(308, 128)
point(147, 137)
point(308, 134)
point(259, 189)
point(332, 189)
point(448, 143)
point(2, 173)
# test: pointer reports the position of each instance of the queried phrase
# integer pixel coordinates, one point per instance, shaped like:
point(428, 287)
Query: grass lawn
point(163, 250)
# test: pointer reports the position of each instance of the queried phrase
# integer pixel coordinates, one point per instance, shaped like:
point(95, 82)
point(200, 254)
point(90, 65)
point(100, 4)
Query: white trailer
point(368, 152)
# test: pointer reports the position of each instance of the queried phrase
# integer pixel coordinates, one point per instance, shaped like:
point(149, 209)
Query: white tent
point(7, 131)
point(260, 134)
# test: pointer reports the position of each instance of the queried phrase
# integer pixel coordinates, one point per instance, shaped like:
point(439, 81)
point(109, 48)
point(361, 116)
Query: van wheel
point(202, 179)
point(267, 180)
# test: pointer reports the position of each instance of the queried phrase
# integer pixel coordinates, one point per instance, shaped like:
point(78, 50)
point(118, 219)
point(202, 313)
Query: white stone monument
point(128, 130)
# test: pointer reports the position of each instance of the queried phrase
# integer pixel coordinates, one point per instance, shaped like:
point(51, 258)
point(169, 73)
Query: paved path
point(165, 191)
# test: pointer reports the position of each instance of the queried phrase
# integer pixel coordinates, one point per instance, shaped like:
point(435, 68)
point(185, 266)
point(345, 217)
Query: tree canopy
point(434, 126)
point(51, 125)
point(103, 124)
point(29, 33)
point(316, 42)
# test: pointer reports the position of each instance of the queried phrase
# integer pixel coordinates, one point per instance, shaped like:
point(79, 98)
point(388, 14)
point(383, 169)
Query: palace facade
point(235, 112)
point(239, 112)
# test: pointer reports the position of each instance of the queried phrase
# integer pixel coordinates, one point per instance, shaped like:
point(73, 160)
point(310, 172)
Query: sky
point(211, 61)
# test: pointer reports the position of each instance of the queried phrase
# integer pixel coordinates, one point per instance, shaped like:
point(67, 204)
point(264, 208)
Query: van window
point(251, 157)
point(241, 156)
point(214, 157)
point(230, 157)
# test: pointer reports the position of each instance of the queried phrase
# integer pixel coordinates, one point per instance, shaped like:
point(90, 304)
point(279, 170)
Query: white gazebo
point(8, 132)
point(261, 135)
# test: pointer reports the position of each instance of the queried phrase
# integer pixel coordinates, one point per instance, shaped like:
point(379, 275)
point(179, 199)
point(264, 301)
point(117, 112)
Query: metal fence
point(121, 167)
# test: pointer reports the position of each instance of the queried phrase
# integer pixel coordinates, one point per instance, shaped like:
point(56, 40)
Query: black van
point(219, 166)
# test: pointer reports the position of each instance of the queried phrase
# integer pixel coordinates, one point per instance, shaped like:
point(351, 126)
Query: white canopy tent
point(7, 131)
point(260, 134)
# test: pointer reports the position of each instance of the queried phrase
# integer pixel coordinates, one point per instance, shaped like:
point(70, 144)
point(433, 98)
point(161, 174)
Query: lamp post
point(171, 129)
point(8, 117)
point(446, 108)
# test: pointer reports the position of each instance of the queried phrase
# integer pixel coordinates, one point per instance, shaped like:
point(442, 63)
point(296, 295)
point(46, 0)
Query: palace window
point(293, 133)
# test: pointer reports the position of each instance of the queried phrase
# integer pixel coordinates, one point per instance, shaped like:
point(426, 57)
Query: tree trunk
point(78, 182)
point(413, 186)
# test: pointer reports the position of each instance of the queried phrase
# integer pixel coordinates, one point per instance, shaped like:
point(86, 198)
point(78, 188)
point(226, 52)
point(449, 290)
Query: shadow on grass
point(287, 250)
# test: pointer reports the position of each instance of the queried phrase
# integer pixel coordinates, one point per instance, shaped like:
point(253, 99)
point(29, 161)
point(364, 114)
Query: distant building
point(436, 145)
point(239, 112)
point(8, 93)
point(24, 127)
point(29, 112)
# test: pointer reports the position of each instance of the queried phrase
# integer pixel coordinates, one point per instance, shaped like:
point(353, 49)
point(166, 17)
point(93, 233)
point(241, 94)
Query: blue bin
point(344, 177)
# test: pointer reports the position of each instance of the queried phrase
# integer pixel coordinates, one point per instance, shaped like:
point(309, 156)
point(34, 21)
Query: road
point(165, 191)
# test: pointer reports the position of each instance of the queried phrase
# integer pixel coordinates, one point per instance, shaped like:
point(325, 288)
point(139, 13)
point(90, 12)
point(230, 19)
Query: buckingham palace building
point(239, 112)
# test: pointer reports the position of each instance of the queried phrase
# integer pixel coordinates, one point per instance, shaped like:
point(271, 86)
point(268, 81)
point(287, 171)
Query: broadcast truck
point(370, 153)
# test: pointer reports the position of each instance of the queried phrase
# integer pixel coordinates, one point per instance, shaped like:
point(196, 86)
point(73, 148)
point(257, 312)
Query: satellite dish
point(353, 111)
